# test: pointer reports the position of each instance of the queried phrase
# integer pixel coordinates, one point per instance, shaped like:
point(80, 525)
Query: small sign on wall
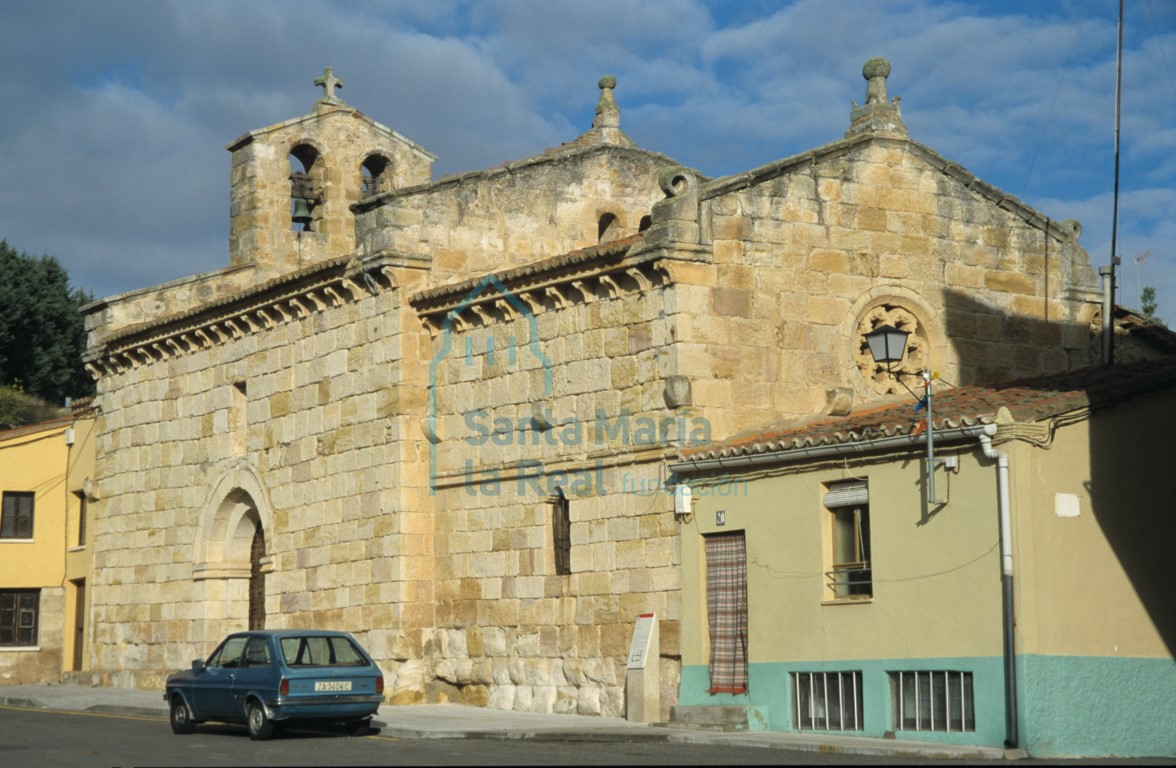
point(1066, 504)
point(721, 517)
point(642, 633)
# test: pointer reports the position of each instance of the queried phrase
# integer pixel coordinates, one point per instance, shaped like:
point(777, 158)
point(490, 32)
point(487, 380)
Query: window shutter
point(851, 494)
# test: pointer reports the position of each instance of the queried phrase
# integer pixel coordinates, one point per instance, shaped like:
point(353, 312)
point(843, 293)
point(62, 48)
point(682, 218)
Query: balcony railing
point(850, 581)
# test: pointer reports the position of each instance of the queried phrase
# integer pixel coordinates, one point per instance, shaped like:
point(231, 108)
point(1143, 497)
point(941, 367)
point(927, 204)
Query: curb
point(114, 709)
point(6, 701)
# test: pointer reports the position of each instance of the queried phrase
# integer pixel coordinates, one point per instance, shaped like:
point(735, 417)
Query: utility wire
point(1052, 106)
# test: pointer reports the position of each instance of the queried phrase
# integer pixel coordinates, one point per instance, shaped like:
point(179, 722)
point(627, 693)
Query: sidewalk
point(448, 721)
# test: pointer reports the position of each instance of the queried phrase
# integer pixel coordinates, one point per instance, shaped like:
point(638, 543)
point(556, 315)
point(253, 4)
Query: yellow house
point(44, 564)
point(1023, 598)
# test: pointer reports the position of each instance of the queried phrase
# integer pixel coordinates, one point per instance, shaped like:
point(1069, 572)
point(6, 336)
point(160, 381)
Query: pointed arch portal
point(233, 554)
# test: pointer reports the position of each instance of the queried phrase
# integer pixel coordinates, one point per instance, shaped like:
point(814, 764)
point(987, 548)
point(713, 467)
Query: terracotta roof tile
point(1027, 400)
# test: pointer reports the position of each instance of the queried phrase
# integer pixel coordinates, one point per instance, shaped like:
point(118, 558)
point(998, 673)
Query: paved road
point(30, 737)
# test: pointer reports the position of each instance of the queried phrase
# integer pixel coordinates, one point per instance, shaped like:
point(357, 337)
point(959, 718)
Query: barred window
point(827, 701)
point(19, 613)
point(16, 517)
point(932, 701)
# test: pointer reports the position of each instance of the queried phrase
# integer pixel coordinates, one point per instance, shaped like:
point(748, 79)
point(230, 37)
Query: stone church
point(439, 414)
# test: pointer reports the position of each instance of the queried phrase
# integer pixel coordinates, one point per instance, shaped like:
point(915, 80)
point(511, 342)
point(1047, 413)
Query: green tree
point(41, 332)
point(1147, 300)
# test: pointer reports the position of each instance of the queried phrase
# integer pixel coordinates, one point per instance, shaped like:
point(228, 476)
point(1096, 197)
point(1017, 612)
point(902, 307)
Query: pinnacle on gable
point(608, 114)
point(879, 114)
point(606, 125)
point(328, 82)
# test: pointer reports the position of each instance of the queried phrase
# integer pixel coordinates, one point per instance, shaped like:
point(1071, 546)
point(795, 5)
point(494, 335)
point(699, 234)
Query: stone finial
point(879, 114)
point(608, 114)
point(328, 82)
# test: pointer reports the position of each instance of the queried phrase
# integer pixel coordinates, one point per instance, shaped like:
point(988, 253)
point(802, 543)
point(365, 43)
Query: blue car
point(266, 679)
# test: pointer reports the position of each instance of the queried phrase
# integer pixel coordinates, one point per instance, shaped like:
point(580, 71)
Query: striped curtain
point(726, 605)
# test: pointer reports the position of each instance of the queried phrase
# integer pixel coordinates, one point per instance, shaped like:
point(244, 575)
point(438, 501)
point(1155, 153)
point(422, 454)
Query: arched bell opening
point(305, 188)
point(375, 176)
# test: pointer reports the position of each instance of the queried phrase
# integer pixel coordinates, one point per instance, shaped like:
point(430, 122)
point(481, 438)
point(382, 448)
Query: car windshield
point(321, 651)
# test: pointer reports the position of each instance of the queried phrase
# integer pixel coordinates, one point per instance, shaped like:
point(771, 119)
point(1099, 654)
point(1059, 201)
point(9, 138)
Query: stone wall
point(514, 633)
point(298, 430)
point(811, 252)
point(523, 212)
point(331, 146)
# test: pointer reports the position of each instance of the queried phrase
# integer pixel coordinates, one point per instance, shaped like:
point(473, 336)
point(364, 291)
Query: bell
point(301, 214)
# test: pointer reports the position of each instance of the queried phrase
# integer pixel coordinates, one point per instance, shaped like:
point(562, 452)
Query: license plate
point(332, 685)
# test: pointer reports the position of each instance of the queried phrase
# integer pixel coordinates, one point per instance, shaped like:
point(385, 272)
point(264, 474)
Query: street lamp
point(887, 346)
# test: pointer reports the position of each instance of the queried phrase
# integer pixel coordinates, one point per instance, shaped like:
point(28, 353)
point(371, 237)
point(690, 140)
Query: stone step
point(717, 718)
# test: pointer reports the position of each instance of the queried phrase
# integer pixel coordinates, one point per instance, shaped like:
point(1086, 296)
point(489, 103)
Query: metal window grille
point(304, 186)
point(827, 701)
point(938, 700)
point(374, 185)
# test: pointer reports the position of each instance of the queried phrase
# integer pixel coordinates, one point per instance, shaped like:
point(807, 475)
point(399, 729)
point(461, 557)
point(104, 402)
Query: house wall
point(936, 594)
point(79, 549)
point(33, 459)
point(1096, 622)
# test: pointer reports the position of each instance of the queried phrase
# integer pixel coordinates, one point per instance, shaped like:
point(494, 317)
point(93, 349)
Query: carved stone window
point(913, 363)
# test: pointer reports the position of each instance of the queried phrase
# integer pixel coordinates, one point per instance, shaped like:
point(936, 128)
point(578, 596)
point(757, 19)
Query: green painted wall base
point(1097, 706)
point(1069, 705)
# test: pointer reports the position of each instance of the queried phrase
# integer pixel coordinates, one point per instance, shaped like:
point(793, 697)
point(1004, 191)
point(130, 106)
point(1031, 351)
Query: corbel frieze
point(560, 284)
point(279, 302)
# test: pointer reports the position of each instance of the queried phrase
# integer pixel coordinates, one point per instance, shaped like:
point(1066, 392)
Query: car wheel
point(360, 727)
point(181, 716)
point(260, 726)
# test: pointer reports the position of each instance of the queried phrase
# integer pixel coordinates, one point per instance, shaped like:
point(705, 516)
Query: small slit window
point(561, 533)
point(608, 228)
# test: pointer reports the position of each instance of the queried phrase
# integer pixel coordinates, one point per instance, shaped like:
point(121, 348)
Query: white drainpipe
point(1006, 583)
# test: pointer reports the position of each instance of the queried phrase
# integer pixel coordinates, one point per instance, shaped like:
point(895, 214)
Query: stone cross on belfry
point(329, 83)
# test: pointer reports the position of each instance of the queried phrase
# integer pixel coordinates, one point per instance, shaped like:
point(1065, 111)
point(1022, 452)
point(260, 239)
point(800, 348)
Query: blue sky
point(116, 114)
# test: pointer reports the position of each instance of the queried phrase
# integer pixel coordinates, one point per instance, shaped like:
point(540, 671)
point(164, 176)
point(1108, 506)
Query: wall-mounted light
point(887, 346)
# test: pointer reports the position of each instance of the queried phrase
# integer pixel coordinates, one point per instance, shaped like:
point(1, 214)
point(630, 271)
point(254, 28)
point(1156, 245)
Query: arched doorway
point(233, 554)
